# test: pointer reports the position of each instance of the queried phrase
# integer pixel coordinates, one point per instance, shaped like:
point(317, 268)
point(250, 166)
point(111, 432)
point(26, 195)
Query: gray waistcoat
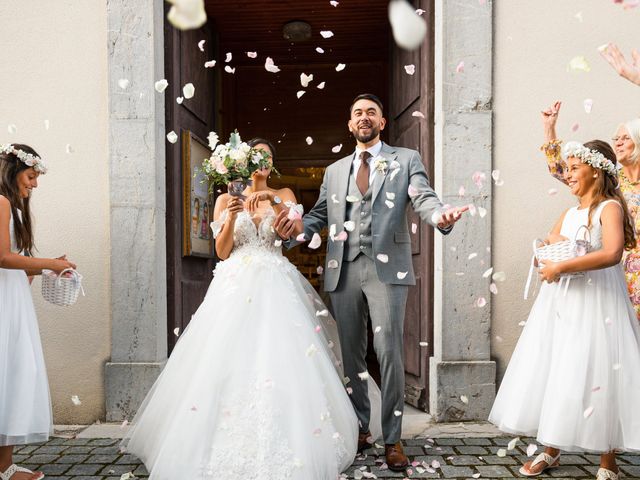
point(358, 241)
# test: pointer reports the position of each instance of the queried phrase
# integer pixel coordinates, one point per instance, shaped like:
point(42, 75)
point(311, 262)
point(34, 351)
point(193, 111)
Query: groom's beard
point(373, 133)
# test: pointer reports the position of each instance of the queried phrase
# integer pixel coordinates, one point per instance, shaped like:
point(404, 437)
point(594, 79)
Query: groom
point(368, 274)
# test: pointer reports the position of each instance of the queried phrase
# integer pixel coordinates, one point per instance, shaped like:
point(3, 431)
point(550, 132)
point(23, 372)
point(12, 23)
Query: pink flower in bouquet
point(220, 168)
point(633, 263)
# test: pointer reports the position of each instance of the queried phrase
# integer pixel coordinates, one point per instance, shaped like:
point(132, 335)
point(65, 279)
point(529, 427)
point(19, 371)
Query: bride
point(253, 388)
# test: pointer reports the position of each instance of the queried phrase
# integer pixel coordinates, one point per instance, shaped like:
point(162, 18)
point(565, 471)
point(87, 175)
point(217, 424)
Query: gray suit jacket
point(388, 225)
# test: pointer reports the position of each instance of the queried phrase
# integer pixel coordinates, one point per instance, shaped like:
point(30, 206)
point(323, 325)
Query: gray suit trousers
point(360, 294)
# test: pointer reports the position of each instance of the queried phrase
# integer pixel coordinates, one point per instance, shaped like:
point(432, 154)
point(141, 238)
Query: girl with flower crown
point(25, 406)
point(573, 377)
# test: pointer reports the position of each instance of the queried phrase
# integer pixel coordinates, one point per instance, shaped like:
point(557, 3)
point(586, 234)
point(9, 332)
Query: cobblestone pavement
point(455, 458)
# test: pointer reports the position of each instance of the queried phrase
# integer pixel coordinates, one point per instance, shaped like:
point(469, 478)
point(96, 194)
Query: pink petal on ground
point(531, 449)
point(460, 67)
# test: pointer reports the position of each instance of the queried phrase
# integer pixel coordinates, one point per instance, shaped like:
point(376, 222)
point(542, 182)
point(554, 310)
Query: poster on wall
point(197, 202)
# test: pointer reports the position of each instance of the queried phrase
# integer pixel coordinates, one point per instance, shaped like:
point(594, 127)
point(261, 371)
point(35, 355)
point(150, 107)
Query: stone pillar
point(137, 189)
point(462, 375)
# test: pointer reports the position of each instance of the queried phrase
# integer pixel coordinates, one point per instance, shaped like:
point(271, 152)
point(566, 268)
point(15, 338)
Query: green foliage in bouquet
point(235, 160)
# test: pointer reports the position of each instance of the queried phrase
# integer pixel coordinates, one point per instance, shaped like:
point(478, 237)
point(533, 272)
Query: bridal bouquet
point(233, 163)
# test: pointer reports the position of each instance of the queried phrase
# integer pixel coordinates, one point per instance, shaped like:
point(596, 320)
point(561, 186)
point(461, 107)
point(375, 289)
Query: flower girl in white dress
point(251, 390)
point(573, 378)
point(25, 407)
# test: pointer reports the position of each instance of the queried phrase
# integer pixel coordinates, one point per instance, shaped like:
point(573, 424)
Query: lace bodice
point(247, 234)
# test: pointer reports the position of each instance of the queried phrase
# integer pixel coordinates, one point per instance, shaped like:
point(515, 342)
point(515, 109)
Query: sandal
point(552, 462)
point(604, 474)
point(13, 469)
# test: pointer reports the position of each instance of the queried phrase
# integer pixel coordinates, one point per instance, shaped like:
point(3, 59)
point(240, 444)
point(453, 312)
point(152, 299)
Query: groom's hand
point(284, 226)
point(451, 215)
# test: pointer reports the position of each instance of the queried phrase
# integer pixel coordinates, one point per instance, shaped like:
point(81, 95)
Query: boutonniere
point(380, 164)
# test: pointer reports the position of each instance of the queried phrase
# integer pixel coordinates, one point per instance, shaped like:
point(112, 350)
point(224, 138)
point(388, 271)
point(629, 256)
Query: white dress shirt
point(374, 151)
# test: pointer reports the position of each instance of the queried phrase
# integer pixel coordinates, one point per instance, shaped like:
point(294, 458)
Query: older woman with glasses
point(626, 144)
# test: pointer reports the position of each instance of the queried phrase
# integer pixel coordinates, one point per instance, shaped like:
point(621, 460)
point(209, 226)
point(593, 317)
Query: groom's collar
point(373, 150)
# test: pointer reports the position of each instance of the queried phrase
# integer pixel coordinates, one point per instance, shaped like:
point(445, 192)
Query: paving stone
point(104, 442)
point(26, 449)
point(632, 459)
point(449, 441)
point(497, 471)
point(113, 450)
point(51, 449)
point(141, 471)
point(79, 449)
point(440, 451)
point(413, 451)
point(494, 459)
point(19, 458)
point(77, 441)
point(466, 460)
point(104, 459)
point(86, 477)
point(54, 469)
point(477, 441)
point(84, 469)
point(567, 471)
point(631, 470)
point(42, 459)
point(117, 469)
point(471, 450)
point(72, 458)
point(454, 472)
point(126, 458)
point(568, 459)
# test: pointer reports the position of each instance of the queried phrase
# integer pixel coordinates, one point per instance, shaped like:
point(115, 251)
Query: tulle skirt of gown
point(251, 389)
point(25, 405)
point(574, 377)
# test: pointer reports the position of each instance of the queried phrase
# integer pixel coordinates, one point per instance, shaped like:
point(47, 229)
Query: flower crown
point(590, 157)
point(26, 158)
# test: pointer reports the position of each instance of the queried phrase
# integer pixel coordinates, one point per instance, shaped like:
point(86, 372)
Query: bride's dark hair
point(258, 140)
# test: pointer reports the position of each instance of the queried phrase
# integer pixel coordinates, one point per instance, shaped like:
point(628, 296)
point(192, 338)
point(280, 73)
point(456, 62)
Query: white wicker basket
point(559, 252)
point(61, 290)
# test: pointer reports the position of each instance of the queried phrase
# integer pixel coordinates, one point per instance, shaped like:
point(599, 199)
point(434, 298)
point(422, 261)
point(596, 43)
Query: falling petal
point(68, 148)
point(337, 148)
point(12, 128)
point(301, 238)
point(309, 140)
point(531, 449)
point(319, 49)
point(552, 191)
point(460, 67)
point(176, 331)
point(412, 191)
point(402, 275)
point(320, 270)
point(512, 444)
point(389, 203)
point(326, 33)
point(420, 11)
point(188, 90)
point(172, 137)
point(312, 349)
point(472, 256)
point(408, 28)
point(179, 100)
point(270, 66)
point(349, 226)
point(424, 344)
point(340, 67)
point(482, 212)
point(201, 45)
point(300, 93)
point(608, 321)
point(391, 195)
point(587, 413)
point(588, 105)
point(595, 389)
point(315, 242)
point(575, 127)
point(305, 79)
point(76, 400)
point(209, 64)
point(397, 413)
point(321, 85)
point(410, 69)
point(414, 228)
point(252, 54)
point(499, 276)
point(47, 124)
point(578, 64)
point(341, 237)
point(493, 288)
point(277, 243)
point(478, 178)
point(363, 375)
point(382, 257)
point(334, 198)
point(377, 329)
point(352, 199)
point(123, 83)
point(418, 114)
point(161, 85)
point(522, 323)
point(481, 302)
point(228, 69)
point(461, 191)
point(187, 14)
point(228, 57)
point(332, 263)
point(487, 273)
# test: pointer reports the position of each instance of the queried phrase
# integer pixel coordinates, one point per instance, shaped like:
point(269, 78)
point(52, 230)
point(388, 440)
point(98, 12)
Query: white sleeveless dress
point(574, 377)
point(25, 405)
point(251, 390)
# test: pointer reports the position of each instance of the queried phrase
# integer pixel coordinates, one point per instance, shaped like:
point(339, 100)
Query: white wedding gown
point(251, 390)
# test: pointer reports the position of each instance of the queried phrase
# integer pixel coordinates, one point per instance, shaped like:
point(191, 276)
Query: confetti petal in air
point(179, 100)
point(588, 105)
point(410, 69)
point(334, 3)
point(309, 140)
point(252, 54)
point(311, 350)
point(300, 93)
point(482, 212)
point(487, 273)
point(461, 191)
point(123, 83)
point(47, 124)
point(176, 331)
point(587, 413)
point(424, 344)
point(495, 174)
point(402, 275)
point(270, 66)
point(377, 329)
point(363, 375)
point(320, 270)
point(578, 64)
point(512, 444)
point(481, 302)
point(332, 263)
point(187, 14)
point(349, 226)
point(172, 137)
point(161, 85)
point(337, 148)
point(478, 178)
point(319, 49)
point(201, 45)
point(76, 400)
point(341, 237)
point(531, 449)
point(608, 321)
point(305, 79)
point(382, 257)
point(188, 90)
point(352, 199)
point(228, 57)
point(315, 242)
point(334, 198)
point(397, 413)
point(389, 203)
point(321, 85)
point(493, 288)
point(464, 399)
point(460, 67)
point(418, 114)
point(408, 28)
point(301, 238)
point(326, 33)
point(340, 67)
point(412, 191)
point(228, 69)
point(212, 139)
point(552, 191)
point(12, 128)
point(391, 195)
point(414, 228)
point(210, 64)
point(472, 256)
point(420, 11)
point(68, 148)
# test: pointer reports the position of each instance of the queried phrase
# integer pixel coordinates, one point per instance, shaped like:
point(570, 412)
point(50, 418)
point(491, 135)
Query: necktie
point(362, 178)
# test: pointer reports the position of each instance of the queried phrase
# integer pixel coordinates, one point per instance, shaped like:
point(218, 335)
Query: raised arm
point(614, 56)
point(552, 145)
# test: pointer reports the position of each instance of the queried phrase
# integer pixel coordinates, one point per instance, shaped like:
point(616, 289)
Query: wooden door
point(410, 93)
point(188, 277)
